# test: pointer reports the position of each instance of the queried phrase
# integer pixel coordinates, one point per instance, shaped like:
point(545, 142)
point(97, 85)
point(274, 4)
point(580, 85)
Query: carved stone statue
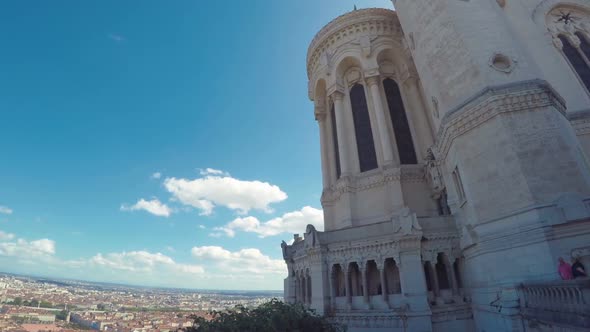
point(311, 236)
point(405, 222)
point(284, 248)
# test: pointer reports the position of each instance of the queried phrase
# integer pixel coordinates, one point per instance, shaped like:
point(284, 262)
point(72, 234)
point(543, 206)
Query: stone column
point(451, 274)
point(364, 267)
point(320, 116)
point(413, 283)
point(343, 146)
point(302, 289)
point(308, 289)
point(384, 290)
point(333, 285)
point(418, 119)
point(383, 129)
point(433, 278)
point(348, 288)
point(297, 289)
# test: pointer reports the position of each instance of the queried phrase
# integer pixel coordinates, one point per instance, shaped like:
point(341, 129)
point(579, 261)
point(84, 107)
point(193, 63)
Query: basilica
point(455, 146)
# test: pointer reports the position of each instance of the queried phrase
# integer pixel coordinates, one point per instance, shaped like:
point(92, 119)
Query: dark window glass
point(585, 45)
point(427, 277)
point(576, 60)
point(362, 129)
point(441, 273)
point(401, 128)
point(335, 140)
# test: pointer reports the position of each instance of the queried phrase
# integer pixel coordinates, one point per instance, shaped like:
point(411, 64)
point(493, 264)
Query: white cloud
point(292, 222)
point(156, 175)
point(202, 227)
point(134, 261)
point(217, 268)
point(212, 171)
point(117, 38)
point(25, 249)
point(220, 231)
point(170, 248)
point(244, 261)
point(5, 210)
point(154, 207)
point(6, 236)
point(216, 189)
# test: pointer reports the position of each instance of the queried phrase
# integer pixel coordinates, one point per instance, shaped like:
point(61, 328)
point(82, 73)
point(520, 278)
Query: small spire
point(354, 7)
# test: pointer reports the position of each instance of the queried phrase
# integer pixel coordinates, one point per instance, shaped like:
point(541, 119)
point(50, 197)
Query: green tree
point(274, 316)
point(45, 304)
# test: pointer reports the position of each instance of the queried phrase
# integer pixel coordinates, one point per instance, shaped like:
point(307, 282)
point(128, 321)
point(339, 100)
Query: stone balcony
point(563, 305)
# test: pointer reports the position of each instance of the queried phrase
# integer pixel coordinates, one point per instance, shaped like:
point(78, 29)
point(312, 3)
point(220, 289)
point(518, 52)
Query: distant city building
point(455, 138)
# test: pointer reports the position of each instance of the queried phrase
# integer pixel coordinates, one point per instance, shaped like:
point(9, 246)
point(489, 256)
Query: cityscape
point(46, 305)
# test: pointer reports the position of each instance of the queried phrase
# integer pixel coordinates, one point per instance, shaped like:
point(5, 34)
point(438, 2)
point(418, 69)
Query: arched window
point(399, 120)
point(584, 44)
point(335, 140)
point(392, 277)
point(362, 129)
point(373, 279)
point(576, 60)
point(339, 281)
point(356, 285)
point(441, 273)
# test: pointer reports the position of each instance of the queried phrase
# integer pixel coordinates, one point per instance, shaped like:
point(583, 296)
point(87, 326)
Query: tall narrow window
point(576, 60)
point(584, 44)
point(335, 140)
point(399, 120)
point(362, 129)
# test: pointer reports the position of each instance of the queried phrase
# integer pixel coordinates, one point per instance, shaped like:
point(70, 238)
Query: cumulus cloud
point(156, 175)
point(243, 261)
point(5, 210)
point(28, 249)
point(154, 207)
point(215, 267)
point(141, 261)
point(6, 236)
point(218, 189)
point(291, 222)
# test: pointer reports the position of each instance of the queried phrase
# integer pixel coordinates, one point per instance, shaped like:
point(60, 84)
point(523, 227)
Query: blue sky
point(150, 142)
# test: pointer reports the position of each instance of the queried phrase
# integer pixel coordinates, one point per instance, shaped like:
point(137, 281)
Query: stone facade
point(455, 137)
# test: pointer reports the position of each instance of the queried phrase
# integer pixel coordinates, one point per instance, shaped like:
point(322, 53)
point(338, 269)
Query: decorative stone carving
point(311, 237)
point(405, 222)
point(566, 20)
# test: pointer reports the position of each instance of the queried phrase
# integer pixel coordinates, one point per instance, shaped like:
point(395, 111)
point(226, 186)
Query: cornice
point(348, 27)
point(493, 101)
point(580, 121)
point(363, 182)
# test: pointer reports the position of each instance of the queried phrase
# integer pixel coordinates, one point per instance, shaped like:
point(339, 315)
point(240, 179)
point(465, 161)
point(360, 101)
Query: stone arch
point(346, 70)
point(355, 279)
point(373, 279)
point(392, 277)
point(544, 7)
point(442, 276)
point(339, 280)
point(568, 24)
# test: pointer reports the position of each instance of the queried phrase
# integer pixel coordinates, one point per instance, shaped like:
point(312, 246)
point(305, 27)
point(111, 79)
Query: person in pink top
point(565, 270)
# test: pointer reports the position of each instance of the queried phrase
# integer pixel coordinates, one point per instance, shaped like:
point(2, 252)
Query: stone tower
point(454, 143)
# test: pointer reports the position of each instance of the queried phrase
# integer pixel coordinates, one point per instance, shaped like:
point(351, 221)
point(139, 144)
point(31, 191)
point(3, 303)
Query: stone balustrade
point(564, 302)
